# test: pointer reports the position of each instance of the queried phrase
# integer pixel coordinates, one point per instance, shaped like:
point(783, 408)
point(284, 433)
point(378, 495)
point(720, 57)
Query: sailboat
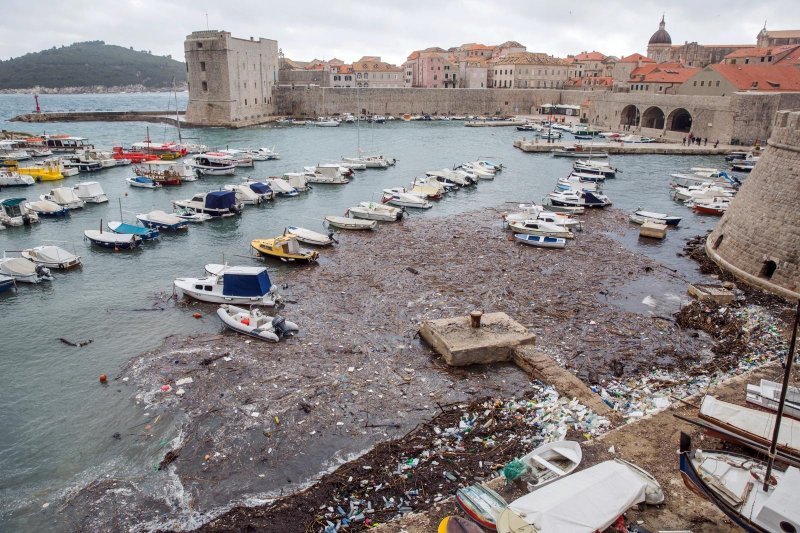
point(751, 492)
point(368, 161)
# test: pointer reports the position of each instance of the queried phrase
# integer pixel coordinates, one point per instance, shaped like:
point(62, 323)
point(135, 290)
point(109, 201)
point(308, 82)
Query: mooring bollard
point(475, 319)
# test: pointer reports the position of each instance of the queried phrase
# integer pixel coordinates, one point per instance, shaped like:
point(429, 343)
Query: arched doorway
point(653, 117)
point(629, 116)
point(680, 120)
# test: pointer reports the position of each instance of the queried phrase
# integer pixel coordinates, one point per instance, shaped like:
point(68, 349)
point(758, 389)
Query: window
point(717, 83)
point(202, 66)
point(435, 77)
point(746, 61)
point(767, 270)
point(366, 75)
point(695, 83)
point(702, 83)
point(205, 86)
point(245, 101)
point(199, 45)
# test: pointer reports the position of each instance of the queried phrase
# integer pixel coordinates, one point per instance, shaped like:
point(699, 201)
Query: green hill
point(88, 64)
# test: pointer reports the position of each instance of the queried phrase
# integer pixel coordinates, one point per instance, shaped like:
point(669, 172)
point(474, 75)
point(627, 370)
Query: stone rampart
point(758, 238)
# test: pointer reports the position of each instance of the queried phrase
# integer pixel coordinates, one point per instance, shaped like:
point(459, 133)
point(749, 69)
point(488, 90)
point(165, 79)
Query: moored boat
point(284, 248)
point(24, 270)
point(307, 236)
point(231, 284)
point(90, 192)
point(254, 323)
point(14, 212)
point(578, 198)
point(281, 187)
point(114, 241)
point(162, 221)
point(65, 197)
point(214, 203)
point(47, 209)
point(540, 227)
point(146, 234)
point(11, 178)
point(373, 211)
point(350, 223)
point(48, 170)
point(142, 182)
point(399, 197)
point(52, 257)
point(661, 218)
point(213, 164)
point(540, 240)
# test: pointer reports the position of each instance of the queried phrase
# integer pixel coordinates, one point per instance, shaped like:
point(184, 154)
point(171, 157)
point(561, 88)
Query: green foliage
point(87, 64)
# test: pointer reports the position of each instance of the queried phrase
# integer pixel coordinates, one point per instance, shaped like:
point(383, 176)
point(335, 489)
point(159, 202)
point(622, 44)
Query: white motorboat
point(331, 173)
point(166, 172)
point(260, 188)
point(353, 166)
point(298, 180)
point(47, 209)
point(90, 192)
point(13, 212)
point(479, 171)
point(371, 161)
point(240, 158)
point(537, 212)
point(550, 462)
point(254, 323)
point(213, 164)
point(24, 270)
point(323, 122)
point(540, 240)
point(399, 197)
point(540, 227)
point(661, 218)
point(350, 223)
point(13, 179)
point(214, 203)
point(574, 183)
point(308, 236)
point(447, 176)
point(374, 211)
point(264, 154)
point(281, 187)
point(244, 194)
point(231, 284)
point(143, 182)
point(163, 221)
point(586, 501)
point(190, 216)
point(489, 165)
point(430, 188)
point(704, 191)
point(65, 197)
point(590, 166)
point(578, 198)
point(52, 257)
point(105, 159)
point(77, 161)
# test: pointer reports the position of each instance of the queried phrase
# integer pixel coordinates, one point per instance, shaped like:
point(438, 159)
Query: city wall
point(741, 117)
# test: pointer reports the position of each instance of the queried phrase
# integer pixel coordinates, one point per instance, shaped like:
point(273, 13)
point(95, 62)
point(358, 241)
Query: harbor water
point(59, 423)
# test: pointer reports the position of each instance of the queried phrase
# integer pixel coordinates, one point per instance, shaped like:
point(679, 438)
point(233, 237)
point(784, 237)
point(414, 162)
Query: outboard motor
point(279, 326)
point(43, 272)
point(331, 236)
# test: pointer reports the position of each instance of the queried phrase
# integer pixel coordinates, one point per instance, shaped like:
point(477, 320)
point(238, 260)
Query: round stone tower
point(660, 44)
point(758, 238)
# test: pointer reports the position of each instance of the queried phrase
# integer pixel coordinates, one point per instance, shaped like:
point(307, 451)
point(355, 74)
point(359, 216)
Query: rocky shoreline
point(263, 420)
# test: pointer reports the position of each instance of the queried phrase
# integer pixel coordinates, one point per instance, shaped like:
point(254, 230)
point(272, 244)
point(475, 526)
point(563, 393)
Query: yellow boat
point(284, 248)
point(47, 171)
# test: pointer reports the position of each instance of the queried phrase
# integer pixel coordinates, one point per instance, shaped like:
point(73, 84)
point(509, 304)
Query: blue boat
point(6, 283)
point(162, 221)
point(262, 189)
point(147, 234)
point(541, 240)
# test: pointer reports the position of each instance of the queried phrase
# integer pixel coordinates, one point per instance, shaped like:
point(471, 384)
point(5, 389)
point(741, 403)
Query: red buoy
point(197, 315)
point(103, 378)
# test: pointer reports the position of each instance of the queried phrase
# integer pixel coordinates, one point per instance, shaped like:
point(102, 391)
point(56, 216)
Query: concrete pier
point(540, 146)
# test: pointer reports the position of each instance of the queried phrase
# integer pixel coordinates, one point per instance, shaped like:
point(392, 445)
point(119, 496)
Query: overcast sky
point(349, 29)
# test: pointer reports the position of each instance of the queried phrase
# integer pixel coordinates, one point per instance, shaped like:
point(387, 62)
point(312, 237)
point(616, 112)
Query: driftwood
point(77, 343)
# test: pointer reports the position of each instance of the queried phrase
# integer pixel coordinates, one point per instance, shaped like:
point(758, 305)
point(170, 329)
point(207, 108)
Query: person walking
point(705, 141)
point(716, 143)
point(683, 141)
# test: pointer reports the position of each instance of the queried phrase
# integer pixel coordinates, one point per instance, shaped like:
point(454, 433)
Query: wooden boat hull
point(481, 504)
point(355, 224)
point(541, 241)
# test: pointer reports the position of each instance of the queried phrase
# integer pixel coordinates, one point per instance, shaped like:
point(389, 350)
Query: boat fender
point(246, 321)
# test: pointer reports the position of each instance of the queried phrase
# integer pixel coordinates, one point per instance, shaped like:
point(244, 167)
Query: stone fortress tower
point(231, 80)
point(659, 47)
point(758, 238)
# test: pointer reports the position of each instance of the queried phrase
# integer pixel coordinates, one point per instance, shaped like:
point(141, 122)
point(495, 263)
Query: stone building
point(766, 38)
point(370, 71)
point(526, 70)
point(772, 55)
point(230, 79)
point(725, 79)
point(758, 238)
point(692, 54)
point(663, 78)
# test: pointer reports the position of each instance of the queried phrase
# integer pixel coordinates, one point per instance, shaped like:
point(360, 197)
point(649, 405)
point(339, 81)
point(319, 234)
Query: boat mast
point(782, 403)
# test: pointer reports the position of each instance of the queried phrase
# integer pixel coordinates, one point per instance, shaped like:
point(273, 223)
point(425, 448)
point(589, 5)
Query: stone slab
point(461, 345)
point(711, 293)
point(653, 230)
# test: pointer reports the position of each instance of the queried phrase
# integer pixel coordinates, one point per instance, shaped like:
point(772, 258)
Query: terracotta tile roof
point(635, 58)
point(509, 44)
point(370, 65)
point(590, 56)
point(760, 77)
point(475, 46)
point(761, 52)
point(596, 81)
point(414, 55)
point(650, 67)
point(670, 75)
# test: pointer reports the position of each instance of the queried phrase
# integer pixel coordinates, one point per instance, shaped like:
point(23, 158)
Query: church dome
point(661, 36)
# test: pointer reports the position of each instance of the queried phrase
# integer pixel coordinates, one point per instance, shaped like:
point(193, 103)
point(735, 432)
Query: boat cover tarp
point(220, 199)
point(63, 195)
point(130, 229)
point(782, 506)
point(19, 266)
point(260, 188)
point(53, 254)
point(241, 284)
point(588, 501)
point(90, 188)
point(281, 185)
point(142, 179)
point(11, 202)
point(758, 423)
point(45, 206)
point(160, 217)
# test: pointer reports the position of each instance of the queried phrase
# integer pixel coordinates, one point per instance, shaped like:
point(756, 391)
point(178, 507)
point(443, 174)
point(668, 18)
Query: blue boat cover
point(142, 179)
point(134, 230)
point(246, 284)
point(220, 199)
point(11, 202)
point(260, 188)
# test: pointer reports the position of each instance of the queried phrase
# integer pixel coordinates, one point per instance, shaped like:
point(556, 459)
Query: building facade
point(526, 70)
point(725, 79)
point(231, 80)
point(370, 71)
point(766, 38)
point(692, 54)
